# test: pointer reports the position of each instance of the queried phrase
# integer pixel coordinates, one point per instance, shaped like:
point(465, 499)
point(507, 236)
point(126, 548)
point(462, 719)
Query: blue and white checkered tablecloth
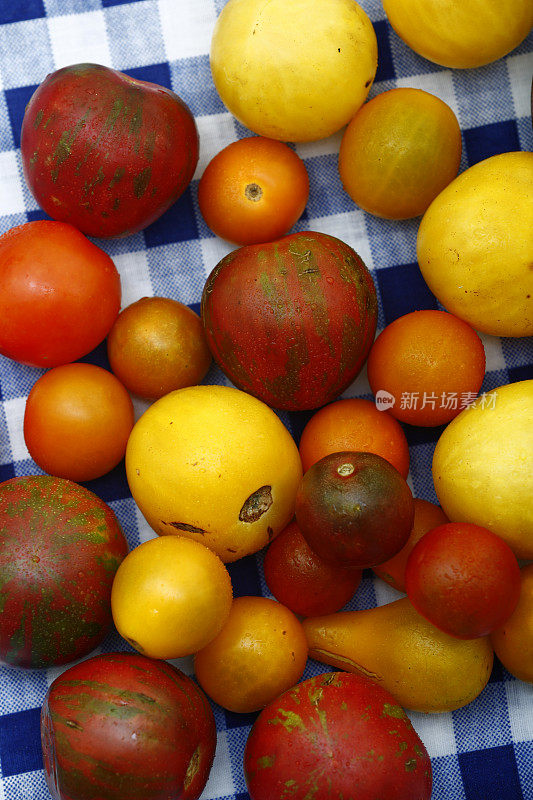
point(481, 752)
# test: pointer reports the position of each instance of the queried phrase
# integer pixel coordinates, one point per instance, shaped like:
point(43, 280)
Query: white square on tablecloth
point(134, 276)
point(187, 29)
point(220, 782)
point(520, 69)
point(216, 131)
point(436, 731)
point(520, 706)
point(11, 197)
point(79, 39)
point(14, 413)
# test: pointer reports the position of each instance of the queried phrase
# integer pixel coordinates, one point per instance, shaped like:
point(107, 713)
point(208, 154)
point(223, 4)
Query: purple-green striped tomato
point(122, 726)
point(291, 321)
point(106, 152)
point(60, 546)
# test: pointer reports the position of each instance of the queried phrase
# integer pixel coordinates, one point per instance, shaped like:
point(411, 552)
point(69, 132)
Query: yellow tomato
point(295, 71)
point(475, 247)
point(260, 652)
point(461, 33)
point(483, 465)
point(170, 597)
point(513, 641)
point(398, 152)
point(214, 464)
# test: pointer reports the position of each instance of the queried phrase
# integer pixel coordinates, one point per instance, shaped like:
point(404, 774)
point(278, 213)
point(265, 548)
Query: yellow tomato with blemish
point(216, 465)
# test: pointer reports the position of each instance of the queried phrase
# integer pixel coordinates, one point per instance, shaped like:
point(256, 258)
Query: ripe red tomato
point(59, 294)
point(463, 578)
point(304, 582)
point(253, 191)
point(77, 421)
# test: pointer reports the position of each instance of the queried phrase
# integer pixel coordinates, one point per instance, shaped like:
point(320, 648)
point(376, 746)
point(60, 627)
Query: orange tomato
point(260, 652)
point(157, 345)
point(432, 365)
point(77, 421)
point(513, 641)
point(354, 424)
point(253, 191)
point(171, 597)
point(398, 153)
point(427, 516)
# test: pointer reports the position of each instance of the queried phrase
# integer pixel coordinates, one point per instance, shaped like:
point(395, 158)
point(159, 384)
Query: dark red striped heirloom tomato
point(291, 321)
point(338, 736)
point(106, 152)
point(121, 726)
point(60, 546)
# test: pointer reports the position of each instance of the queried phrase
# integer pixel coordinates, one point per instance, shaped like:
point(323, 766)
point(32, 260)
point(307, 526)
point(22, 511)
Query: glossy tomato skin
point(354, 509)
point(332, 734)
point(291, 321)
point(60, 546)
point(59, 294)
point(106, 152)
point(121, 725)
point(464, 579)
point(157, 345)
point(77, 421)
point(303, 581)
point(253, 190)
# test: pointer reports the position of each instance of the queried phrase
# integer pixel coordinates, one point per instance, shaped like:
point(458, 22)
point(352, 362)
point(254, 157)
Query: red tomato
point(302, 581)
point(253, 191)
point(77, 421)
point(59, 294)
point(463, 578)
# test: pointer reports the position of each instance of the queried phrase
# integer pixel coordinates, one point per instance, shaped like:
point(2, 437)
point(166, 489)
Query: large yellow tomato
point(295, 70)
point(461, 33)
point(214, 464)
point(483, 465)
point(171, 597)
point(475, 247)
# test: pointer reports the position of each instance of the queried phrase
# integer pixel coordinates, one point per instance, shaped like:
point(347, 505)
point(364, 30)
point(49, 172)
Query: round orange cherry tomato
point(157, 345)
point(430, 364)
point(77, 421)
point(253, 191)
point(398, 152)
point(260, 652)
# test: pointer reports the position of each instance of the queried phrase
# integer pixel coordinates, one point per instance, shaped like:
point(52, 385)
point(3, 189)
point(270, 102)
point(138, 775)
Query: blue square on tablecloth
point(385, 71)
point(20, 749)
point(403, 290)
point(490, 774)
point(523, 373)
point(36, 214)
point(234, 720)
point(153, 73)
point(111, 486)
point(17, 100)
point(15, 11)
point(491, 140)
point(107, 3)
point(7, 471)
point(244, 575)
point(178, 224)
point(192, 81)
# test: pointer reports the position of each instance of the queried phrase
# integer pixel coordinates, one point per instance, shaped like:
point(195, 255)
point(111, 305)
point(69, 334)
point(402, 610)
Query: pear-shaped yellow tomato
point(461, 33)
point(399, 151)
point(475, 247)
point(171, 598)
point(295, 71)
point(483, 465)
point(214, 464)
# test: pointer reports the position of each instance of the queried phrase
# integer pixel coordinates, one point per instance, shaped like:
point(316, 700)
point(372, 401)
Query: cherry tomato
point(158, 345)
point(304, 582)
point(260, 652)
point(59, 294)
point(463, 578)
point(253, 191)
point(77, 421)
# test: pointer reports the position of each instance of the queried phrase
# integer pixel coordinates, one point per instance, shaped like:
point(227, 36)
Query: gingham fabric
point(481, 752)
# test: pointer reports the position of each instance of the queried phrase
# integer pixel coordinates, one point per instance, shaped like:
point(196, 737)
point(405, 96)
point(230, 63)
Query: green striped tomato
point(122, 726)
point(60, 546)
point(291, 321)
